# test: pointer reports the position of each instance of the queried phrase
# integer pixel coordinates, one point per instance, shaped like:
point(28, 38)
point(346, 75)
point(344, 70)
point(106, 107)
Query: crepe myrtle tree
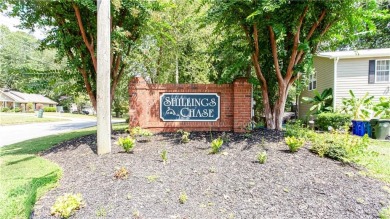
point(73, 31)
point(281, 37)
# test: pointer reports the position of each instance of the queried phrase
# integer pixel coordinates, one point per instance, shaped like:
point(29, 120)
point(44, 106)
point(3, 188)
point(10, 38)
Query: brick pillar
point(242, 94)
point(137, 87)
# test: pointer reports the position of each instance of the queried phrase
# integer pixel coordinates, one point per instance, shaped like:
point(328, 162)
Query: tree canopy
point(24, 67)
point(202, 41)
point(282, 36)
point(73, 32)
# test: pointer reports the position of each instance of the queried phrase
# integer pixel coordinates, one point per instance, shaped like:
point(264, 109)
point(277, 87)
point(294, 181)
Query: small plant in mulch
point(152, 178)
point(136, 213)
point(101, 212)
point(121, 173)
point(262, 142)
point(225, 137)
point(248, 135)
point(127, 143)
point(212, 170)
point(294, 144)
point(185, 136)
point(216, 145)
point(164, 156)
point(183, 198)
point(129, 196)
point(262, 157)
point(66, 205)
point(140, 132)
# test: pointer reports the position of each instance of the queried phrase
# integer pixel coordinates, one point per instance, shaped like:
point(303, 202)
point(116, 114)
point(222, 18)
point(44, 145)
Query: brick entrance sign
point(191, 107)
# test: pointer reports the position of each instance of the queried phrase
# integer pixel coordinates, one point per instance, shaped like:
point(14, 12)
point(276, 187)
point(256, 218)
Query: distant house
point(360, 71)
point(12, 99)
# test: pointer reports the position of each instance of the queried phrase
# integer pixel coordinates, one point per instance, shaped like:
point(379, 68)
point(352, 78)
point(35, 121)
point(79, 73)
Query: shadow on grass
point(40, 144)
point(20, 160)
point(33, 189)
point(19, 199)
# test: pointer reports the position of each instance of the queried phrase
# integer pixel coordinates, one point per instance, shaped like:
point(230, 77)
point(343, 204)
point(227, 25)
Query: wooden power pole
point(103, 77)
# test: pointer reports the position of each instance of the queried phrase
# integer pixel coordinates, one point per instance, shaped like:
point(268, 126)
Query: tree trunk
point(269, 119)
point(279, 107)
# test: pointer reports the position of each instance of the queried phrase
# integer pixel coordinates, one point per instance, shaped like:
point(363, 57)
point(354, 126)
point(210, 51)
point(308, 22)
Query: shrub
point(30, 107)
point(358, 108)
point(320, 146)
point(382, 109)
point(335, 120)
point(294, 143)
point(183, 198)
point(138, 131)
point(17, 110)
point(67, 204)
point(216, 145)
point(339, 146)
point(295, 128)
point(121, 173)
point(127, 143)
point(184, 136)
point(49, 109)
point(5, 109)
point(321, 102)
point(262, 157)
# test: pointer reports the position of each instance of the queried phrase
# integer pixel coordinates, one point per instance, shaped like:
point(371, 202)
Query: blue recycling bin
point(359, 127)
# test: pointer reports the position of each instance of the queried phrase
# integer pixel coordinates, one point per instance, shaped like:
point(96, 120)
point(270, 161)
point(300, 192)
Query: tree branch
point(294, 51)
point(326, 29)
point(310, 34)
point(275, 55)
point(316, 24)
point(254, 55)
point(89, 45)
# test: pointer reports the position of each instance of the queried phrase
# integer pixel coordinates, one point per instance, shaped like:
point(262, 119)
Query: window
point(382, 71)
point(312, 82)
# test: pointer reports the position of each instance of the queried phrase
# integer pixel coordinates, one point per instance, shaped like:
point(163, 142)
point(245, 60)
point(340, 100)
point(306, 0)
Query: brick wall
point(235, 107)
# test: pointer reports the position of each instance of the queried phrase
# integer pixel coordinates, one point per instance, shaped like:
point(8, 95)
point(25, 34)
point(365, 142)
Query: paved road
point(17, 133)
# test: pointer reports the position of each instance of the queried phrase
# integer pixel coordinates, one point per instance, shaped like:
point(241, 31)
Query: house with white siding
point(12, 99)
point(360, 71)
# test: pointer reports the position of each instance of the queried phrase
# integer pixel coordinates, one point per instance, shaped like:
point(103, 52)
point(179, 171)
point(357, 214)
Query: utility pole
point(177, 69)
point(103, 77)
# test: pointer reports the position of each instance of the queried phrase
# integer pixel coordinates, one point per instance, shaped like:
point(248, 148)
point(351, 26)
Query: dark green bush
point(49, 109)
point(17, 110)
point(335, 120)
point(5, 109)
point(295, 128)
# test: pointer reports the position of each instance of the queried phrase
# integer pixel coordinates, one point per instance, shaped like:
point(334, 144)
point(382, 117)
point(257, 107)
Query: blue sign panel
point(189, 107)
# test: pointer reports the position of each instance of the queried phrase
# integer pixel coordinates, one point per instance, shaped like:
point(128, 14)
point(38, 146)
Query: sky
point(11, 23)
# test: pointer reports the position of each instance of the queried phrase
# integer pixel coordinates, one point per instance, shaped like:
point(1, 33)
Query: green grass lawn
point(23, 118)
point(25, 177)
point(377, 164)
point(377, 160)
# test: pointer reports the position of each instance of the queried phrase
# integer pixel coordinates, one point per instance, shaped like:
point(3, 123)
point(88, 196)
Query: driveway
point(17, 133)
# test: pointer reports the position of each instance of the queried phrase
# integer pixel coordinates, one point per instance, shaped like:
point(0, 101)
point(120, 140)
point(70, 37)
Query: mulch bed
point(230, 184)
